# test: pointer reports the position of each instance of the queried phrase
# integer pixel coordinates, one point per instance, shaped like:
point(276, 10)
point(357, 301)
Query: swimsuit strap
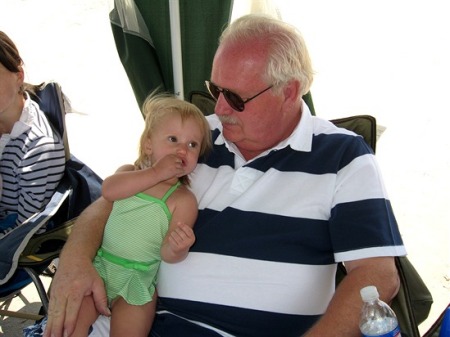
point(170, 191)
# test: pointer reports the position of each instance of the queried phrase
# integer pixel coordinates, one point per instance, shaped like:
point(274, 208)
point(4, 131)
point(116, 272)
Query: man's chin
point(230, 134)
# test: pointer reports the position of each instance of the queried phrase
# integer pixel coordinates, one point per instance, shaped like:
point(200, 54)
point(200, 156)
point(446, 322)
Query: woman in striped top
point(32, 153)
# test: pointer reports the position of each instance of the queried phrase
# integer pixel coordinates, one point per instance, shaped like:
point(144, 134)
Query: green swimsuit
point(129, 257)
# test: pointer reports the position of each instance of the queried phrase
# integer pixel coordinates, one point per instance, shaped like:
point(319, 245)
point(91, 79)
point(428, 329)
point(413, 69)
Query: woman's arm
point(76, 276)
point(39, 172)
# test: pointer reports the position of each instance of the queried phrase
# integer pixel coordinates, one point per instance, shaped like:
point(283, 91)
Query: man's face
point(240, 68)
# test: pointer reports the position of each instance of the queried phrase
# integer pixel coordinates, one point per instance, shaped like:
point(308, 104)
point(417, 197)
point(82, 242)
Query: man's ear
point(291, 90)
point(291, 93)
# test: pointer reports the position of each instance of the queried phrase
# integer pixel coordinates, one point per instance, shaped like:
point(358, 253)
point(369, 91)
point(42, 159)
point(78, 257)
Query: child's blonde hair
point(157, 106)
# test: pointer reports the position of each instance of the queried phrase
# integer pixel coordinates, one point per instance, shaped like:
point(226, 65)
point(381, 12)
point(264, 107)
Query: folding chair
point(26, 254)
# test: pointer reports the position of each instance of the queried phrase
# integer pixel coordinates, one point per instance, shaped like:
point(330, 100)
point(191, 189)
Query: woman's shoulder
point(37, 121)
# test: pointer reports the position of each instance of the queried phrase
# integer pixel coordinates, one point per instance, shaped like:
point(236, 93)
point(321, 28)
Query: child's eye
point(193, 145)
point(172, 139)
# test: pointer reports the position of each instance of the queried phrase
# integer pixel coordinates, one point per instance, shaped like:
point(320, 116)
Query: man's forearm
point(342, 315)
point(87, 231)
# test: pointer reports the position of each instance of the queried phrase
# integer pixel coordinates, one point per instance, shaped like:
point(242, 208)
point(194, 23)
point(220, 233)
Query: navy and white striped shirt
point(32, 164)
point(271, 230)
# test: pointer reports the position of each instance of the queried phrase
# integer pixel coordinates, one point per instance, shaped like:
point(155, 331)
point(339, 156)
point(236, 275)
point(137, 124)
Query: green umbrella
point(155, 37)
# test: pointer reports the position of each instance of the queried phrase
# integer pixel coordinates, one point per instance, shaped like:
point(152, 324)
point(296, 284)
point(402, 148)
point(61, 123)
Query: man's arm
point(76, 276)
point(342, 315)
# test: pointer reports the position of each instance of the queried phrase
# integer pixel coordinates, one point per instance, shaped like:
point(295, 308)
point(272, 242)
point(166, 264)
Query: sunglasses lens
point(234, 100)
point(215, 91)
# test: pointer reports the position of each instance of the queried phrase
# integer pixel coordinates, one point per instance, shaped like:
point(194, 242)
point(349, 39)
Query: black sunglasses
point(234, 100)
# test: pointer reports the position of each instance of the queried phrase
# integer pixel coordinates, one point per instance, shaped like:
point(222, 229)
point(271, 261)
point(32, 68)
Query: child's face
point(176, 137)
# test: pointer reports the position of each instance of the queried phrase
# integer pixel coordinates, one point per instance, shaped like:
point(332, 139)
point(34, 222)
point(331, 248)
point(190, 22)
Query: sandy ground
point(388, 59)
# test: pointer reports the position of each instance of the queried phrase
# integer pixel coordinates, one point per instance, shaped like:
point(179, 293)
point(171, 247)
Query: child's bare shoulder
point(182, 200)
point(184, 192)
point(183, 196)
point(126, 167)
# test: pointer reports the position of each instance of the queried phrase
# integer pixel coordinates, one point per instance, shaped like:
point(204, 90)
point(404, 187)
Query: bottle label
point(393, 333)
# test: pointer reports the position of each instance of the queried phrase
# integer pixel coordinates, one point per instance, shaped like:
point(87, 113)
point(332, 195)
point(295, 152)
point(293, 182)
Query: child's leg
point(86, 317)
point(132, 320)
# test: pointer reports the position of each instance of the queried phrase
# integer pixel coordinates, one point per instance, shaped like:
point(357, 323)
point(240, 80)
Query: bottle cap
point(369, 293)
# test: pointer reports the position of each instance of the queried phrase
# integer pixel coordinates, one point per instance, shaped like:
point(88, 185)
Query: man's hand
point(69, 286)
point(76, 277)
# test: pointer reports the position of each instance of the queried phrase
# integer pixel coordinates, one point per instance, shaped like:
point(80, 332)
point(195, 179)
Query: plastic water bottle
point(377, 318)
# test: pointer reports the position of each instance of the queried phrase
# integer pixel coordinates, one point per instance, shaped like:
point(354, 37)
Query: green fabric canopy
point(144, 34)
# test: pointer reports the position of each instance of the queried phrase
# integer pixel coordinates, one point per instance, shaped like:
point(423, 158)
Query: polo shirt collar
point(301, 138)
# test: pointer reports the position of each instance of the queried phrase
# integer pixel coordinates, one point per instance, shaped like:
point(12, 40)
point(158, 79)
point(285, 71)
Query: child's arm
point(128, 181)
point(180, 236)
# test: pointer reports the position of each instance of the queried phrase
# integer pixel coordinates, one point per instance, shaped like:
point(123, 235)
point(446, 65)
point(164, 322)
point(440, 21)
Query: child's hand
point(181, 239)
point(169, 166)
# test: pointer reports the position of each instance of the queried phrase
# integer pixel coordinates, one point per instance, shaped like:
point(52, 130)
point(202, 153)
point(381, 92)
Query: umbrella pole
point(177, 60)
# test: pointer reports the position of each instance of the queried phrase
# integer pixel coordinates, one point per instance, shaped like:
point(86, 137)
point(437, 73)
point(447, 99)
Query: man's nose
point(222, 107)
